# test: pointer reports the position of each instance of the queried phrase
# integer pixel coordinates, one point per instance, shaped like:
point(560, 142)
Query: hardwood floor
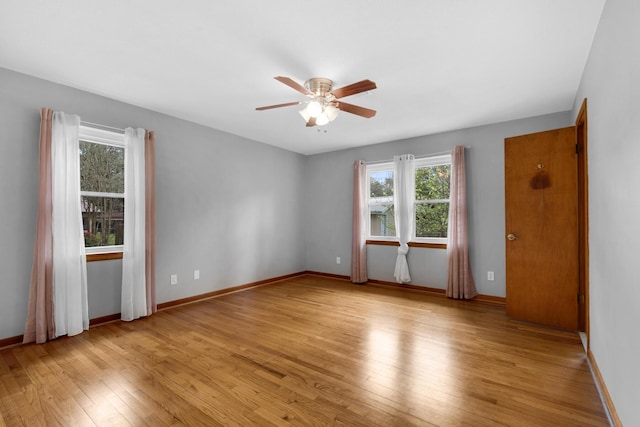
point(306, 351)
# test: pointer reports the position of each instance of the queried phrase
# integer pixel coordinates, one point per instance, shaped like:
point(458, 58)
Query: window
point(102, 189)
point(431, 206)
point(432, 177)
point(380, 201)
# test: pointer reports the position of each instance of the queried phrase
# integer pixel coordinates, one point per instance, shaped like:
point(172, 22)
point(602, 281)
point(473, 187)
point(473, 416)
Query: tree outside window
point(102, 193)
point(432, 200)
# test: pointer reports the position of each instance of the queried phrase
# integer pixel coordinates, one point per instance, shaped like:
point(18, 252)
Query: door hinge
point(578, 148)
point(580, 298)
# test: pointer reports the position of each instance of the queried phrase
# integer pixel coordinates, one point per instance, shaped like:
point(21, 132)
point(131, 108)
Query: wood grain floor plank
point(306, 351)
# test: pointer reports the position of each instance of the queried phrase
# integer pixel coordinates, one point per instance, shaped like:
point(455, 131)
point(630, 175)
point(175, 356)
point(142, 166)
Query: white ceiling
point(439, 65)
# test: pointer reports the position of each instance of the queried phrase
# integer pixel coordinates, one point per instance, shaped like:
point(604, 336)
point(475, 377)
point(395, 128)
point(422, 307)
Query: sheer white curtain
point(403, 199)
point(134, 291)
point(70, 303)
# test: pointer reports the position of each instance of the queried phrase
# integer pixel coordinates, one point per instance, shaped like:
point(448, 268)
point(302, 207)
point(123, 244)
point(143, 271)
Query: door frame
point(583, 220)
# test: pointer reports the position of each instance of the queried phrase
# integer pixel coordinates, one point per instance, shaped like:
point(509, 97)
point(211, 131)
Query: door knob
point(512, 236)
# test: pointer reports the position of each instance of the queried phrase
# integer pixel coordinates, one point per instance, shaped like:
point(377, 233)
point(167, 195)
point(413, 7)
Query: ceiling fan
point(324, 103)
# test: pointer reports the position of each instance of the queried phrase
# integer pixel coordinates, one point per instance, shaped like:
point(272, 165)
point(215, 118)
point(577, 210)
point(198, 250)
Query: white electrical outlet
point(337, 260)
point(196, 274)
point(490, 275)
point(174, 279)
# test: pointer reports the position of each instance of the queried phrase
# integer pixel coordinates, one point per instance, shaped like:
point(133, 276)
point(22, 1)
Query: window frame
point(424, 162)
point(103, 137)
point(378, 167)
point(430, 161)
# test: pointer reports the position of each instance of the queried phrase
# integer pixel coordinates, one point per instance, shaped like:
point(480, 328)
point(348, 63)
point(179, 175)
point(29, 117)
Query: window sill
point(104, 256)
point(411, 244)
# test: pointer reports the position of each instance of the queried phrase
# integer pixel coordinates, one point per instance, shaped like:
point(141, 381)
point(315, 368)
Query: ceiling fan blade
point(356, 109)
point(293, 84)
point(287, 104)
point(311, 122)
point(352, 89)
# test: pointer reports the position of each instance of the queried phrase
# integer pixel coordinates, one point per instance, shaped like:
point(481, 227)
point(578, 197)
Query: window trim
point(103, 256)
point(102, 137)
point(410, 244)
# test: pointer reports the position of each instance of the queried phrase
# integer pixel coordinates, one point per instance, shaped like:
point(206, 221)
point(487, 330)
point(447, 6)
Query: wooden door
point(542, 228)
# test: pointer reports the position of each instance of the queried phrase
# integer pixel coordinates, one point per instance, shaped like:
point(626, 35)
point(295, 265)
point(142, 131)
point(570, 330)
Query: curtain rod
point(99, 126)
point(441, 153)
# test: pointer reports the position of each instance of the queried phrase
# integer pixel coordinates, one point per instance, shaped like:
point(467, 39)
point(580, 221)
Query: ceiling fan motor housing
point(320, 86)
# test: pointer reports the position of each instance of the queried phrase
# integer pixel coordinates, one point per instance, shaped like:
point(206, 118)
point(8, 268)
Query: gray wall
point(237, 210)
point(610, 82)
point(329, 204)
point(227, 206)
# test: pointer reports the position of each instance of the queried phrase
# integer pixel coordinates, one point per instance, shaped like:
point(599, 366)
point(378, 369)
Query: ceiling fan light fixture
point(331, 111)
point(327, 114)
point(314, 109)
point(322, 119)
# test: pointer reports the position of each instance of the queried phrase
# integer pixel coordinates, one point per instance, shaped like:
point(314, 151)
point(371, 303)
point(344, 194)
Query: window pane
point(101, 168)
point(432, 219)
point(382, 221)
point(381, 183)
point(432, 183)
point(102, 220)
